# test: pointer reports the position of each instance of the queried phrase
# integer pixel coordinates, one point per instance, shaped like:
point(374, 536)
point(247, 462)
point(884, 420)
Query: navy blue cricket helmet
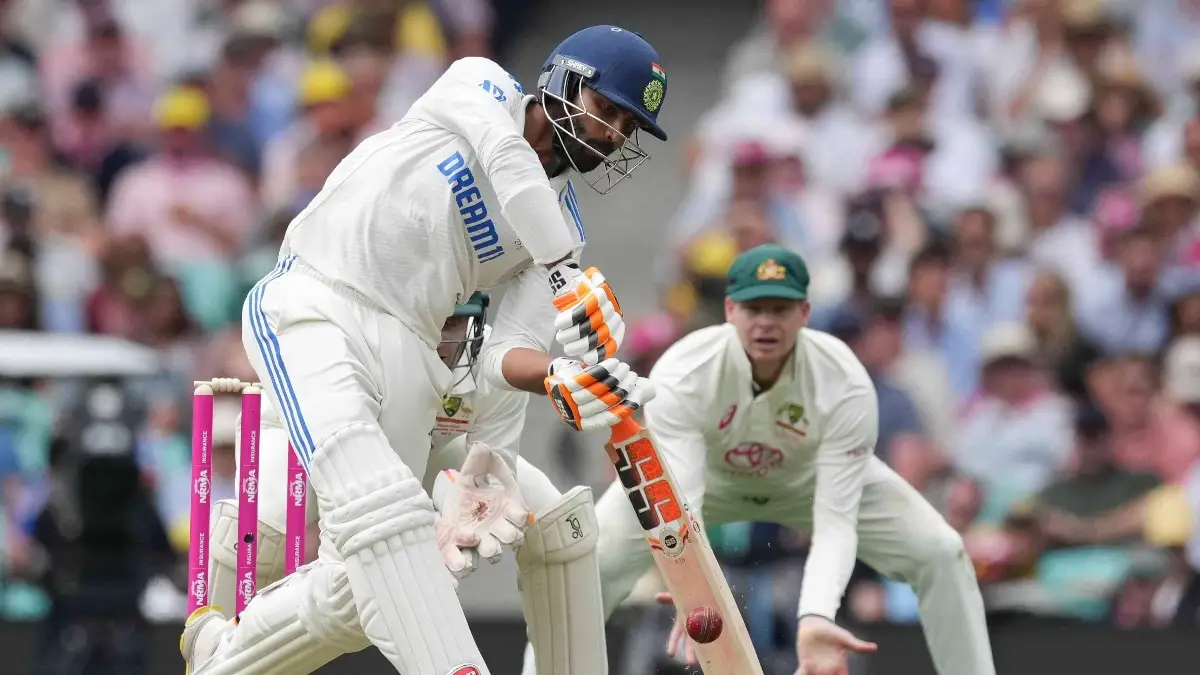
point(621, 66)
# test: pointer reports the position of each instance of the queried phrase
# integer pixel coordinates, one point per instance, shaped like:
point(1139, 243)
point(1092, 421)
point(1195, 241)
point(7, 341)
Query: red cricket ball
point(704, 624)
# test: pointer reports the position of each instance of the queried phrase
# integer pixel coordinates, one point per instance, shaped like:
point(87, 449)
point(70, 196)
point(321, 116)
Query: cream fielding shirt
point(809, 440)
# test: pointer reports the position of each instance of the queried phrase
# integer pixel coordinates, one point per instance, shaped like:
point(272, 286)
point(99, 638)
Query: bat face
point(684, 559)
point(649, 490)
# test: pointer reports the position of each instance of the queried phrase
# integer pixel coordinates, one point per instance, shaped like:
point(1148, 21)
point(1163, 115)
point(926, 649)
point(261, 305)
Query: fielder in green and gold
point(764, 419)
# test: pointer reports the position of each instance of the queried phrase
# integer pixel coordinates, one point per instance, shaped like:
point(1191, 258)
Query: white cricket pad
point(559, 578)
point(292, 627)
point(382, 523)
point(224, 555)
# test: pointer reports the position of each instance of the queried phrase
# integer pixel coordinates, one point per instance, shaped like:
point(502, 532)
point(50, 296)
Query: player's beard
point(579, 155)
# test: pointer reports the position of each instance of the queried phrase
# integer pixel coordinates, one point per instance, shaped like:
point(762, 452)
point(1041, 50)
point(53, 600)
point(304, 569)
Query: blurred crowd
point(151, 157)
point(999, 201)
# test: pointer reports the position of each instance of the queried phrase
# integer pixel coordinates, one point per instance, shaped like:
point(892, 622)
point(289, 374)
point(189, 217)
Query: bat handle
point(624, 430)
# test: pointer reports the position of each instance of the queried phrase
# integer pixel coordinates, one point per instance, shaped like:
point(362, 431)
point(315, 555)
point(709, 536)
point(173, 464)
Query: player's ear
point(805, 310)
point(729, 307)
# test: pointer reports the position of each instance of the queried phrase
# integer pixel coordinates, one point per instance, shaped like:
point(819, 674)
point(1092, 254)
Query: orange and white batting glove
point(595, 397)
point(589, 324)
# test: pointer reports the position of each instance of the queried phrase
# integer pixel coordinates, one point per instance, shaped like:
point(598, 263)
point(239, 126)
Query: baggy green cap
point(767, 271)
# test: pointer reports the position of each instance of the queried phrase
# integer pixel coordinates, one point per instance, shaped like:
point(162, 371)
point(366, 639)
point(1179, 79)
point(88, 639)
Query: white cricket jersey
point(809, 439)
point(449, 200)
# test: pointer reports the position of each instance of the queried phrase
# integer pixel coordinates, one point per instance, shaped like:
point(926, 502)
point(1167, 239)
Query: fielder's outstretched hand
point(480, 510)
point(596, 397)
point(822, 647)
point(589, 324)
point(679, 645)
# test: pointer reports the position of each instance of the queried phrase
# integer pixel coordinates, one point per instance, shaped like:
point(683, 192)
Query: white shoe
point(202, 633)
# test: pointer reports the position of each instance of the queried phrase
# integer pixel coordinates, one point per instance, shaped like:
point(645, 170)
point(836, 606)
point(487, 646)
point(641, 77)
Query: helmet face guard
point(562, 83)
point(467, 347)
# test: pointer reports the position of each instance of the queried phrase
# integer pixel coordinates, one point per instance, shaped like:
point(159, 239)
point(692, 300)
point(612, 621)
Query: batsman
point(763, 419)
point(469, 191)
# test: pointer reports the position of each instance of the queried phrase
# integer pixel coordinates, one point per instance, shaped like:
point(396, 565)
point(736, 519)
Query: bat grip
point(624, 430)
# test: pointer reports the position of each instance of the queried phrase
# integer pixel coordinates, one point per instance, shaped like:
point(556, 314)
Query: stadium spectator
point(872, 256)
point(838, 137)
point(921, 373)
point(817, 205)
point(65, 206)
point(18, 304)
point(187, 204)
point(126, 279)
point(1015, 435)
point(700, 295)
point(1132, 317)
point(18, 62)
point(984, 288)
point(195, 211)
point(1061, 348)
point(1170, 197)
point(1181, 374)
point(327, 120)
point(1150, 433)
point(1167, 515)
point(91, 143)
point(890, 62)
point(228, 87)
point(1023, 175)
point(1097, 503)
point(1086, 521)
point(1057, 238)
point(788, 23)
point(931, 324)
point(106, 53)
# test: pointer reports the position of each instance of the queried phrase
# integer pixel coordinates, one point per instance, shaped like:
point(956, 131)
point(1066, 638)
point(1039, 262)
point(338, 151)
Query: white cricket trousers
point(358, 393)
point(899, 534)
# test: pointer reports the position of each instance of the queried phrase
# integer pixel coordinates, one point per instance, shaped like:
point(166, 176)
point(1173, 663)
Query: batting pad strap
point(559, 578)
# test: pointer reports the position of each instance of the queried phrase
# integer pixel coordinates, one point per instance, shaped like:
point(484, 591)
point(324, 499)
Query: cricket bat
point(678, 544)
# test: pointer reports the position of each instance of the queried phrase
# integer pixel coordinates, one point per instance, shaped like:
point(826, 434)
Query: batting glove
point(589, 324)
point(596, 397)
point(480, 511)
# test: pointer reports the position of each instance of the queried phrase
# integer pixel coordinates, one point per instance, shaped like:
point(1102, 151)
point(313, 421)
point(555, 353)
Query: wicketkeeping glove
point(595, 397)
point(589, 324)
point(480, 510)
